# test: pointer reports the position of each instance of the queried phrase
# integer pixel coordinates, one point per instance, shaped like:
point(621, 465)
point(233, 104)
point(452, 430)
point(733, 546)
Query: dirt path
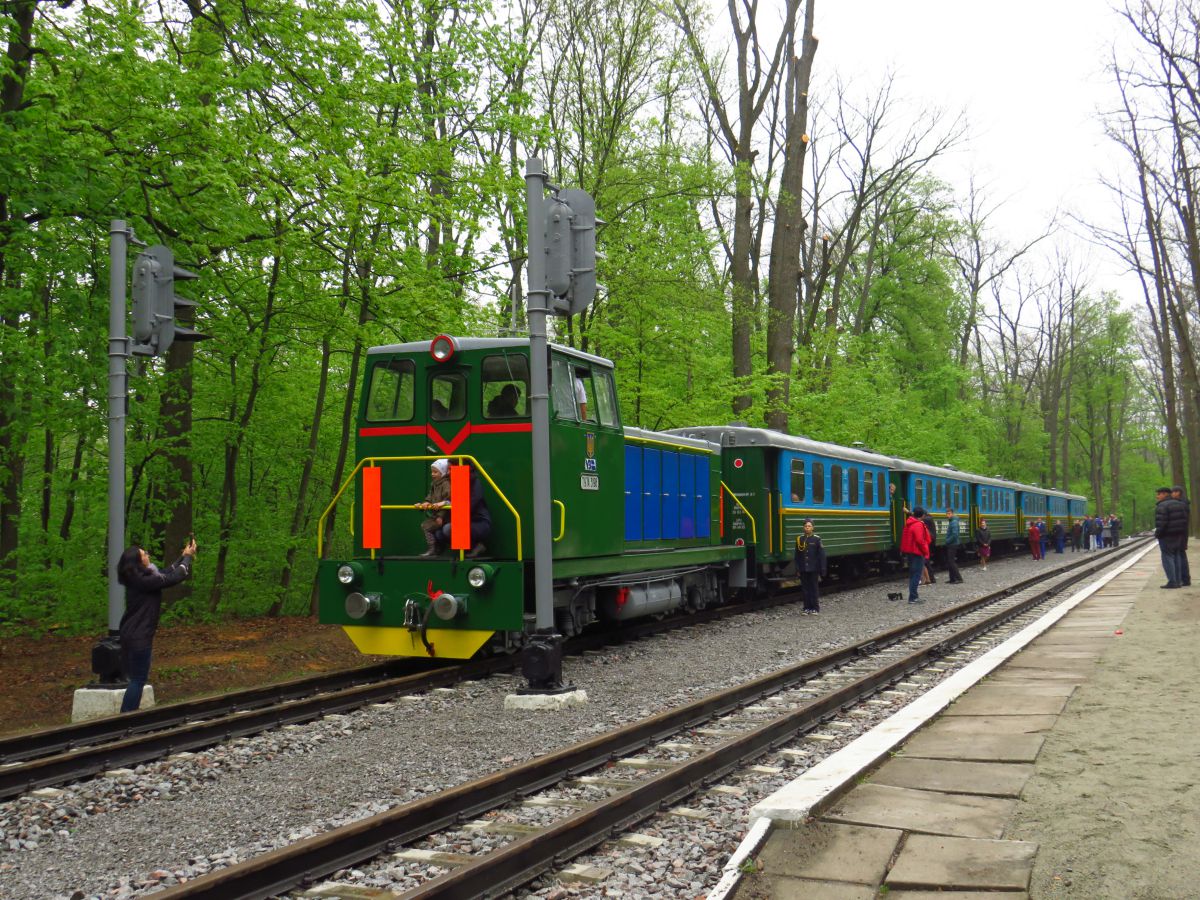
point(1115, 802)
point(40, 674)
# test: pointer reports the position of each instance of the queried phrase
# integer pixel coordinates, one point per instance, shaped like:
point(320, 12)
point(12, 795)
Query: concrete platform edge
point(731, 875)
point(800, 799)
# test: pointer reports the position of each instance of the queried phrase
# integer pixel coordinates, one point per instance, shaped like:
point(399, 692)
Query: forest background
point(779, 250)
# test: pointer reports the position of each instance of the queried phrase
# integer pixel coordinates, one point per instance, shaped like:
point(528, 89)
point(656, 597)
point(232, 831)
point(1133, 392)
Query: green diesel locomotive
point(643, 522)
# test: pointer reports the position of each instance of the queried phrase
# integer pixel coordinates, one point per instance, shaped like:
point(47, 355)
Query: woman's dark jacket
point(810, 555)
point(143, 601)
point(983, 536)
point(931, 527)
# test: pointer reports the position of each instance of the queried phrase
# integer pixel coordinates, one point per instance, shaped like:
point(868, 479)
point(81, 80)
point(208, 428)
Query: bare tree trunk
point(788, 235)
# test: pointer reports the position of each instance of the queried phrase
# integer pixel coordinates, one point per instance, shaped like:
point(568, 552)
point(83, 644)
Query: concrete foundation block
point(95, 703)
point(546, 701)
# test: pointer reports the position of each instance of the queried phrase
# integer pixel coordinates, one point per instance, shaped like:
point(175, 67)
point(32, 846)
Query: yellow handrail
point(753, 526)
point(562, 527)
point(374, 460)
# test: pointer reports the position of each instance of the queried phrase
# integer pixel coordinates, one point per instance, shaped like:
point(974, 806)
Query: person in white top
point(580, 397)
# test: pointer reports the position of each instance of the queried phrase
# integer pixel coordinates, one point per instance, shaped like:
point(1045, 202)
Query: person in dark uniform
point(1060, 536)
point(810, 566)
point(1170, 527)
point(144, 583)
point(504, 404)
point(952, 541)
point(931, 527)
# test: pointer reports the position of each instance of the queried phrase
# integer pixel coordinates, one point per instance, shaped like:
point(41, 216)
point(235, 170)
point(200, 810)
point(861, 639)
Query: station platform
point(1062, 763)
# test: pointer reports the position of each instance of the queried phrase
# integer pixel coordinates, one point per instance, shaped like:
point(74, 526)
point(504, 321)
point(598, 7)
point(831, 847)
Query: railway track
point(771, 711)
point(56, 756)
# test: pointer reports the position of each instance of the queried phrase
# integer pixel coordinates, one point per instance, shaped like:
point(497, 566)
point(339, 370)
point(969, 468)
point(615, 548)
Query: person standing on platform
point(1035, 541)
point(1170, 527)
point(1185, 574)
point(144, 583)
point(1076, 536)
point(983, 537)
point(914, 544)
point(931, 527)
point(952, 540)
point(1098, 532)
point(811, 567)
point(1060, 536)
point(1114, 530)
point(1044, 537)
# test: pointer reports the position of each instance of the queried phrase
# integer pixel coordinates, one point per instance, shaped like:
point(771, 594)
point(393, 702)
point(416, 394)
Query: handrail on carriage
point(459, 459)
point(753, 526)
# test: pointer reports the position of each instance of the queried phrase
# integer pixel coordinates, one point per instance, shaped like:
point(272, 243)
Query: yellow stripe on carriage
point(793, 511)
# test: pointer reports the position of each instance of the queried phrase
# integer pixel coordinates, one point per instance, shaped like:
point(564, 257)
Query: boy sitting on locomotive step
point(436, 505)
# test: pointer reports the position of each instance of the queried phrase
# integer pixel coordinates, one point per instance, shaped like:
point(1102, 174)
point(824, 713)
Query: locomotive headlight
point(479, 576)
point(359, 605)
point(349, 574)
point(442, 347)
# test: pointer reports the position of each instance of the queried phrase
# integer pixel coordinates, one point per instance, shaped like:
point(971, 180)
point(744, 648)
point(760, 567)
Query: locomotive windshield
point(448, 396)
point(505, 386)
point(390, 398)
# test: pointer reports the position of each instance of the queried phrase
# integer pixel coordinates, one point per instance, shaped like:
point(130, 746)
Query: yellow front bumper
point(447, 643)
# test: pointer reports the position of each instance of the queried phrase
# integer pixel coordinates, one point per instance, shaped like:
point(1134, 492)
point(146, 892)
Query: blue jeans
point(1181, 567)
point(1170, 564)
point(916, 567)
point(137, 664)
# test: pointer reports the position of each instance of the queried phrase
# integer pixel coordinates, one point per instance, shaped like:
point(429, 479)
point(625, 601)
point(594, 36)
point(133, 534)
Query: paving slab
point(957, 895)
point(991, 725)
point(826, 851)
point(954, 863)
point(1005, 700)
point(785, 888)
point(928, 812)
point(1019, 676)
point(998, 748)
point(954, 776)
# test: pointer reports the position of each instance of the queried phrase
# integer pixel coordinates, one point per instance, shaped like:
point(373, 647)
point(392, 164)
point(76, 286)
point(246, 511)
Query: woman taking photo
point(144, 583)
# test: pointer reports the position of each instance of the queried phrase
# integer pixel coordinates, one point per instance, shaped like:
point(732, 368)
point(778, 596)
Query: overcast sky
point(1030, 76)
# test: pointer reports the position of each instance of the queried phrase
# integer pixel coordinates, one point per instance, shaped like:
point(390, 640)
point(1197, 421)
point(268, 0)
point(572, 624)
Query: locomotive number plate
point(589, 482)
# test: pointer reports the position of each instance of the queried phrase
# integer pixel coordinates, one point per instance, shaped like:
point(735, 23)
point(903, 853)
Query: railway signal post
point(154, 310)
point(562, 280)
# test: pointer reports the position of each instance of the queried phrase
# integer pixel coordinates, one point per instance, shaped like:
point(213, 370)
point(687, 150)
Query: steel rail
point(155, 732)
point(304, 862)
point(58, 739)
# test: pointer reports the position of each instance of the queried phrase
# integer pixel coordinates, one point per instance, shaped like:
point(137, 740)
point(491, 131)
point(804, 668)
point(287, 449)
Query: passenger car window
point(853, 498)
point(504, 386)
point(880, 490)
point(797, 480)
point(818, 482)
point(835, 484)
point(869, 488)
point(390, 398)
point(447, 397)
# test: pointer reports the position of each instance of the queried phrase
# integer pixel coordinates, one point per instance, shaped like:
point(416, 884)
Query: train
point(644, 522)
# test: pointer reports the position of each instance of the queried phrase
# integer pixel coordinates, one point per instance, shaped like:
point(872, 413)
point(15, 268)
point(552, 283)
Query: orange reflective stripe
point(460, 507)
point(371, 529)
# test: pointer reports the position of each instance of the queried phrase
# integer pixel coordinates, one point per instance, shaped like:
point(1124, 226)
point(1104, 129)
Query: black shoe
point(477, 550)
point(918, 600)
point(1169, 586)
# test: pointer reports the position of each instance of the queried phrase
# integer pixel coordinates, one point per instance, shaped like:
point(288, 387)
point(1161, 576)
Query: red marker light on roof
point(737, 463)
point(442, 347)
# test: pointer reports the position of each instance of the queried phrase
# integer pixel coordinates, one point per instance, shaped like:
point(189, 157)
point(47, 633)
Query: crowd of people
point(1094, 533)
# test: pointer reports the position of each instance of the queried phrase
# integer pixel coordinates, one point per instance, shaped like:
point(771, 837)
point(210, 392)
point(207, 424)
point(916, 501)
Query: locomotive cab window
point(505, 386)
point(797, 480)
point(585, 393)
point(562, 388)
point(448, 397)
point(390, 398)
point(606, 399)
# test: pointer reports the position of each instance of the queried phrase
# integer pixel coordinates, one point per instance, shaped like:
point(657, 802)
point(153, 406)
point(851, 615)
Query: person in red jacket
point(1035, 540)
point(914, 544)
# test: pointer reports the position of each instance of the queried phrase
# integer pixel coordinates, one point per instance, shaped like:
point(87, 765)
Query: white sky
point(1030, 76)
